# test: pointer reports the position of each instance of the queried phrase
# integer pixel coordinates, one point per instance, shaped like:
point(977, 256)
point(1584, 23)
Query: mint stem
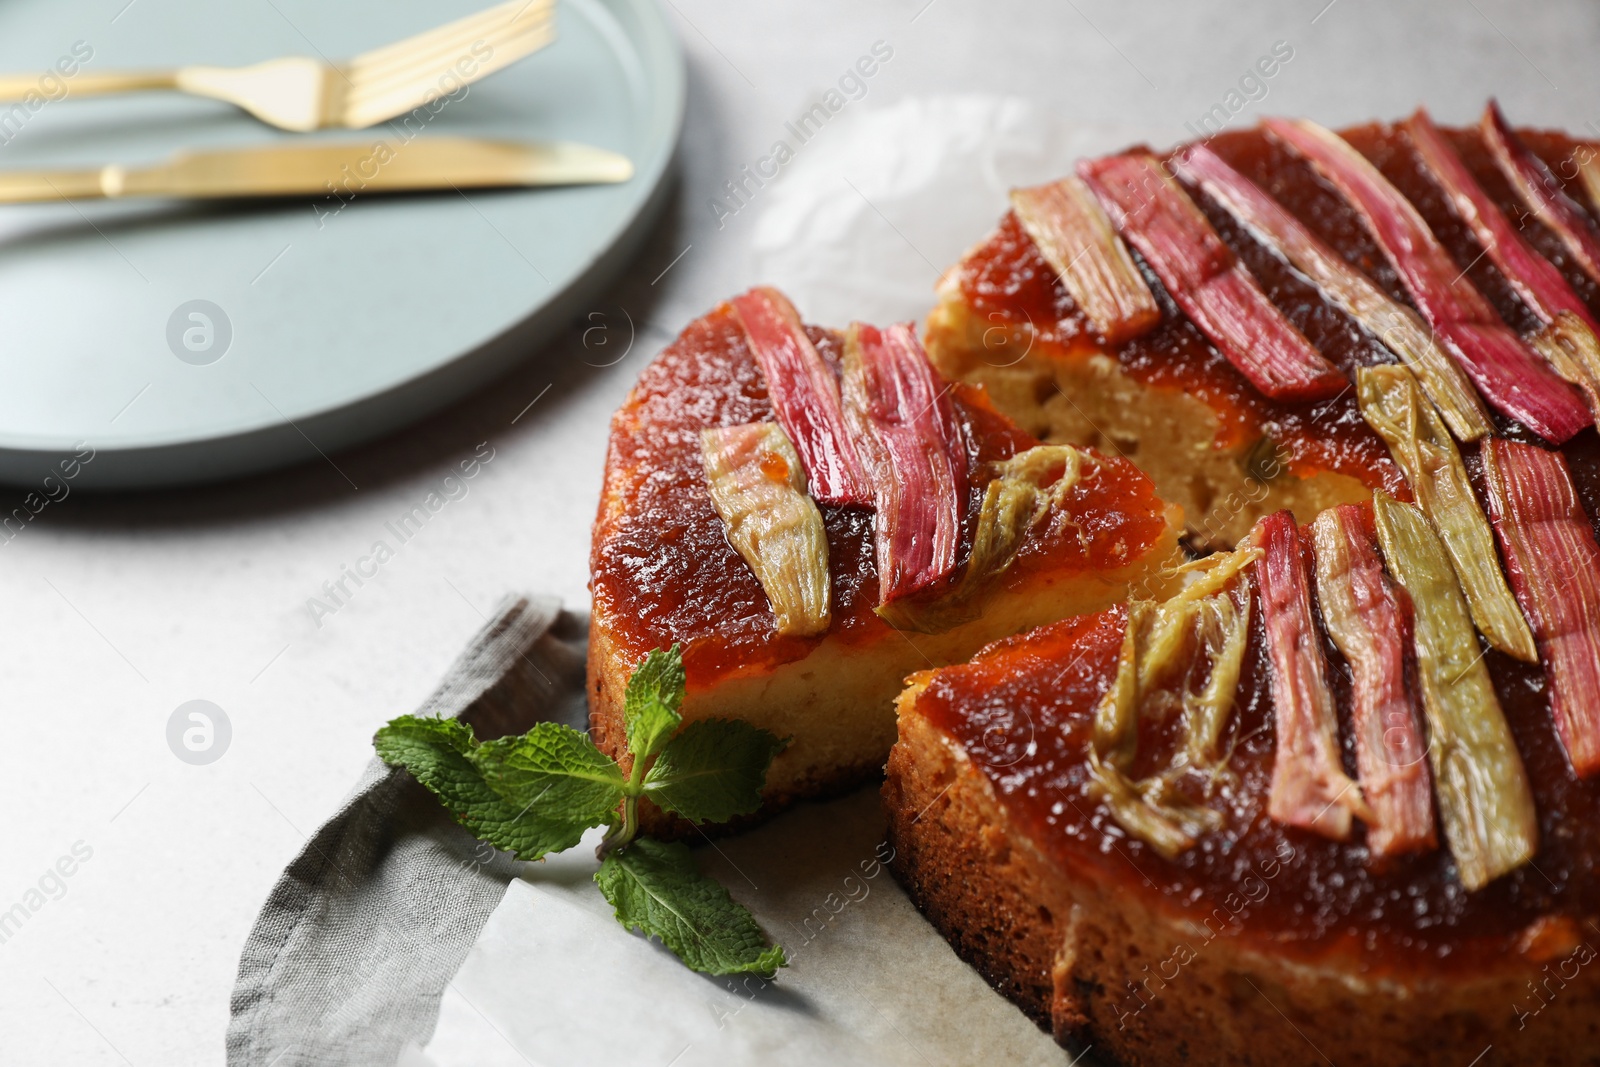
point(619, 836)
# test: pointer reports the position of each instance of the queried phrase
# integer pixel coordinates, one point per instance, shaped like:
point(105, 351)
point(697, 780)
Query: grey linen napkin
point(358, 939)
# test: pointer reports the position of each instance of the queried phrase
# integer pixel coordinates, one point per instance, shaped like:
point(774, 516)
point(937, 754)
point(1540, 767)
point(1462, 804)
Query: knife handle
point(18, 86)
point(25, 186)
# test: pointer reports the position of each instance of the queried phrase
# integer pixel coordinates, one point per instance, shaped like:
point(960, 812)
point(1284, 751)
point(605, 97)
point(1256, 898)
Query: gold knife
point(343, 169)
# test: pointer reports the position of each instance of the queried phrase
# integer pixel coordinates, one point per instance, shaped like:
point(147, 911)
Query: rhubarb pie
point(1331, 797)
point(813, 515)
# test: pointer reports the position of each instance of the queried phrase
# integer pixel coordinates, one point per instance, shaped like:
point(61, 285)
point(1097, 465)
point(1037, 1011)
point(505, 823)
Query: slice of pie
point(813, 515)
point(1337, 798)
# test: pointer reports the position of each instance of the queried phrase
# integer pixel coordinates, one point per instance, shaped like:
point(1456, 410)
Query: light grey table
point(119, 610)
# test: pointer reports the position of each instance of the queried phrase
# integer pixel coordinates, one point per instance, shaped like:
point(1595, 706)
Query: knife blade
point(342, 169)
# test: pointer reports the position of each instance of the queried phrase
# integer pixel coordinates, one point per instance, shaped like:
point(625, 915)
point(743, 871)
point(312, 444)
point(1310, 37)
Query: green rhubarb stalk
point(1202, 632)
point(758, 488)
point(1075, 236)
point(1392, 405)
point(1485, 803)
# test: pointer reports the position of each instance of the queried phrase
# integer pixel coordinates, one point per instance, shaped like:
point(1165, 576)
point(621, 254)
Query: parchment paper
point(554, 981)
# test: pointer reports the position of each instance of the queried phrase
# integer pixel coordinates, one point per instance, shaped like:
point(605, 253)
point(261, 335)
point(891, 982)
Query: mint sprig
point(537, 793)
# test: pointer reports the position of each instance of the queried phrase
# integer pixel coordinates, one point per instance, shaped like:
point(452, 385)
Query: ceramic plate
point(184, 342)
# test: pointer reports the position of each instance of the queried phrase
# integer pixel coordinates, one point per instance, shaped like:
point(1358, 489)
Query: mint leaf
point(713, 770)
point(528, 795)
point(558, 769)
point(650, 706)
point(656, 888)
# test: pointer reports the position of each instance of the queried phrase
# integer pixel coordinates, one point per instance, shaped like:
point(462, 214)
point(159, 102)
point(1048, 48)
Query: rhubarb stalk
point(1568, 338)
point(1394, 324)
point(1076, 238)
point(805, 397)
point(1535, 278)
point(1541, 190)
point(1024, 491)
point(1554, 566)
point(1140, 807)
point(1206, 279)
point(1202, 631)
point(1309, 786)
point(1392, 405)
point(759, 489)
point(904, 424)
point(1194, 642)
point(1372, 630)
point(1485, 803)
point(1510, 375)
point(1570, 345)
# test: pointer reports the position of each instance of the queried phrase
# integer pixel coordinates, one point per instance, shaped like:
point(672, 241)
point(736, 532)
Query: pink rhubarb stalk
point(903, 421)
point(1372, 630)
point(1206, 279)
point(1541, 190)
point(1567, 339)
point(1554, 567)
point(1535, 278)
point(1511, 377)
point(1076, 238)
point(1309, 786)
point(1396, 325)
point(805, 397)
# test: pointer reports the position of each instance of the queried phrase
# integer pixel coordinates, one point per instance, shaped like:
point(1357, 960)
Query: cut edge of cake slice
point(836, 705)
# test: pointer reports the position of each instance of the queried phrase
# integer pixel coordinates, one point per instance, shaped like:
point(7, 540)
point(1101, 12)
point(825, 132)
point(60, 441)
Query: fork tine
point(368, 105)
point(443, 54)
point(451, 34)
point(433, 64)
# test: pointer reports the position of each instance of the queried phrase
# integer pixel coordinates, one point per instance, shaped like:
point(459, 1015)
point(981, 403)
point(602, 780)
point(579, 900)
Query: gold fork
point(297, 93)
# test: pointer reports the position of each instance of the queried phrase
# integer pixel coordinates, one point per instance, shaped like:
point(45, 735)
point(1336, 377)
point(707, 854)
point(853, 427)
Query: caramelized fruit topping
point(759, 490)
point(1484, 799)
point(1206, 279)
point(1554, 566)
point(805, 396)
point(1074, 235)
point(903, 422)
point(1510, 376)
point(1309, 785)
point(1392, 405)
point(1396, 325)
point(1371, 626)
